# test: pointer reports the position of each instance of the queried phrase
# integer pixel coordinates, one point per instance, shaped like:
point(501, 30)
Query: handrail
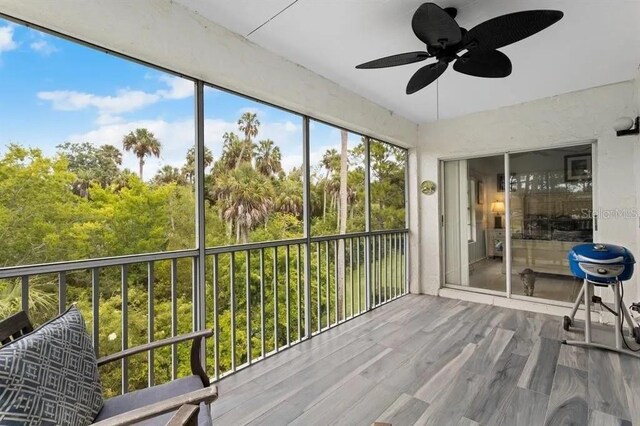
point(73, 265)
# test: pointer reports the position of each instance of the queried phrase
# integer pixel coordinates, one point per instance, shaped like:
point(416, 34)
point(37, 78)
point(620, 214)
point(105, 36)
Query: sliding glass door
point(551, 204)
point(473, 213)
point(544, 206)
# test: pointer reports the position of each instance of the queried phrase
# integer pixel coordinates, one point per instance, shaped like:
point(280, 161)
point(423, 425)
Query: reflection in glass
point(551, 203)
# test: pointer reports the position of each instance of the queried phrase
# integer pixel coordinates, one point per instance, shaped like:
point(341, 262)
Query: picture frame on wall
point(480, 193)
point(500, 180)
point(577, 167)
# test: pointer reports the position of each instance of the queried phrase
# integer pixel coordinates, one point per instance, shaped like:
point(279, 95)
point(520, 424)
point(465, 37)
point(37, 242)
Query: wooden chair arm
point(196, 337)
point(187, 415)
point(206, 395)
point(154, 345)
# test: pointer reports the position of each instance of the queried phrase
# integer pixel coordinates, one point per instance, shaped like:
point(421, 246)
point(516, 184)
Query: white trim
point(513, 303)
point(492, 153)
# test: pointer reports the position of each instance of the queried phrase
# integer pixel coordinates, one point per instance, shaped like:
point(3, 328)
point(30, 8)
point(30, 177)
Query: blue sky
point(52, 91)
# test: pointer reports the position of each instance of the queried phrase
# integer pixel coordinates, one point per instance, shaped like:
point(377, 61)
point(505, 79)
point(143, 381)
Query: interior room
point(320, 212)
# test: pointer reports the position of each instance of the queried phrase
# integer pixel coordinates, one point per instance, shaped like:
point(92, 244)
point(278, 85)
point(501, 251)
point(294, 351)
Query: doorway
point(511, 234)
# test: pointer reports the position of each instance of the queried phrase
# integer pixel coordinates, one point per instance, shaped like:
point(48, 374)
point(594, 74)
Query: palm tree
point(143, 144)
point(329, 162)
point(232, 150)
point(247, 124)
point(289, 198)
point(189, 169)
point(268, 158)
point(246, 199)
point(169, 174)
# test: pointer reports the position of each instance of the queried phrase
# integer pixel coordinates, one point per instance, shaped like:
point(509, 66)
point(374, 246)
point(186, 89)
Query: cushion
point(141, 398)
point(50, 376)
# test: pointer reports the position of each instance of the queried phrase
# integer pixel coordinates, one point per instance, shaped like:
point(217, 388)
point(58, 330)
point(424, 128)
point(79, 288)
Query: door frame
point(508, 293)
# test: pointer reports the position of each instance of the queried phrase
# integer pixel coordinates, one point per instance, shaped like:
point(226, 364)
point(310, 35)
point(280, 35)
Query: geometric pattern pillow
point(50, 376)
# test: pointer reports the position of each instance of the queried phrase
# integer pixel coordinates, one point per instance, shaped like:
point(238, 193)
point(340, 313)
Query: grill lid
point(601, 254)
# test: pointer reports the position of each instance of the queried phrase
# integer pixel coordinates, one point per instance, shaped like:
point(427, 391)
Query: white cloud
point(43, 47)
point(7, 42)
point(179, 88)
point(125, 100)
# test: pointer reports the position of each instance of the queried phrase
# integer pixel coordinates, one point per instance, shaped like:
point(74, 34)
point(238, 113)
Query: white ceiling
point(596, 43)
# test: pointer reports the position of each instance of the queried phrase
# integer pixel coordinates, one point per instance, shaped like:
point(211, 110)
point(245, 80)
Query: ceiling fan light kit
point(474, 52)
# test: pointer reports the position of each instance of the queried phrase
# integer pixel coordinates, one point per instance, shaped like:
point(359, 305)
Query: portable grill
point(602, 265)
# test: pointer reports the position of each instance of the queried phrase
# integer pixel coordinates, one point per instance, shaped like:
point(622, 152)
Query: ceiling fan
point(474, 52)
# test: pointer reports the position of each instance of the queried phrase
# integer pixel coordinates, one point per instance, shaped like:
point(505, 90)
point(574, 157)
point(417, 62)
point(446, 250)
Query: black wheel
point(636, 334)
point(566, 323)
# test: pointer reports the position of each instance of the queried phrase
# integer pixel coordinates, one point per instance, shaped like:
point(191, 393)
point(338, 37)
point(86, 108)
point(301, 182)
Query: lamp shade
point(497, 207)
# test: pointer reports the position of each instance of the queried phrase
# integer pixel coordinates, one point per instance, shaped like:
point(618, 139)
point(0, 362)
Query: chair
point(183, 401)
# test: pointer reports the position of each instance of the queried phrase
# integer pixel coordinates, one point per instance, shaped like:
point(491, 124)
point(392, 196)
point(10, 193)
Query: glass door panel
point(474, 223)
point(551, 204)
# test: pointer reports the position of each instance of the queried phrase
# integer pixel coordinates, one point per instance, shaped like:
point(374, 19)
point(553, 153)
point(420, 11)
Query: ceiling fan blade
point(425, 76)
point(395, 60)
point(491, 64)
point(435, 27)
point(506, 29)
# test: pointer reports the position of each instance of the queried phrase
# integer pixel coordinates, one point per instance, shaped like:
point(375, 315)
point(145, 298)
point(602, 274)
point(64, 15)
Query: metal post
point(216, 318)
point(587, 311)
point(62, 292)
point(507, 225)
point(367, 223)
point(248, 302)
point(150, 322)
point(200, 208)
point(174, 317)
point(95, 304)
point(616, 296)
point(25, 293)
point(124, 289)
point(306, 206)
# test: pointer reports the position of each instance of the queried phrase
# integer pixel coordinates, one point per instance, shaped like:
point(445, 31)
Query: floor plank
point(522, 408)
point(406, 410)
point(568, 400)
point(539, 371)
point(430, 360)
point(606, 384)
point(598, 418)
point(498, 391)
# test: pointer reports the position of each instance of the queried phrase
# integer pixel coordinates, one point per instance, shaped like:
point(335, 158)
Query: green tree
point(143, 144)
point(246, 199)
point(169, 174)
point(247, 124)
point(91, 164)
point(189, 169)
point(268, 158)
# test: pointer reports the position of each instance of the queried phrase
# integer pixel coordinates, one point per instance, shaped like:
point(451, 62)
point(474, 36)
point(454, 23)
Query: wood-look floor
point(436, 361)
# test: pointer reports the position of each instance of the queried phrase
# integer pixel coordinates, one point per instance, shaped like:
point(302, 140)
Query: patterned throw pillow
point(50, 376)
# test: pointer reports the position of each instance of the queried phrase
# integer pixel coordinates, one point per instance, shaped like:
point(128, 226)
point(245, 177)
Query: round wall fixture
point(428, 187)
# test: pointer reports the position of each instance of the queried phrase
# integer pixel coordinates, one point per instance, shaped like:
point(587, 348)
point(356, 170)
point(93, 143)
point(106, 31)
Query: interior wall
point(166, 34)
point(581, 116)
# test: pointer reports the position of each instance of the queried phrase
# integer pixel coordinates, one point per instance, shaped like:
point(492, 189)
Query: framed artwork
point(577, 167)
point(514, 182)
point(480, 193)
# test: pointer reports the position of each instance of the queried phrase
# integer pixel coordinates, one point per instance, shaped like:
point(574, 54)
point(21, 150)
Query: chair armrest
point(154, 345)
point(196, 337)
point(206, 395)
point(186, 415)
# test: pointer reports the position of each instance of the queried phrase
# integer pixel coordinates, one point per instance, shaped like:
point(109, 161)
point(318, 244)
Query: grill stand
point(585, 297)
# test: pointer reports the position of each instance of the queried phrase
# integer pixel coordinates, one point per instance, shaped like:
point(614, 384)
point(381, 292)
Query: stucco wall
point(166, 34)
point(580, 116)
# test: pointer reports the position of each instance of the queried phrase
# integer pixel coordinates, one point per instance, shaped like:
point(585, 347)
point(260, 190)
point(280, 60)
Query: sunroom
point(355, 253)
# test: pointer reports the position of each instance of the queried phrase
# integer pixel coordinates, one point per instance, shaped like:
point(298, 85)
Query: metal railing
point(259, 298)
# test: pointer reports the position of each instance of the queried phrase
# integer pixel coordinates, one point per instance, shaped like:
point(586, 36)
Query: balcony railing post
point(62, 292)
point(24, 293)
point(200, 317)
point(124, 325)
point(150, 321)
point(306, 167)
point(95, 305)
point(367, 223)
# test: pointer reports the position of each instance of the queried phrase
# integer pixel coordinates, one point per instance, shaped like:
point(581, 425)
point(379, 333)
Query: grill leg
point(616, 295)
point(587, 312)
point(577, 303)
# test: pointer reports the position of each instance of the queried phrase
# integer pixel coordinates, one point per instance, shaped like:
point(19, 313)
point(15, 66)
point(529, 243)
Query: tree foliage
point(81, 204)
